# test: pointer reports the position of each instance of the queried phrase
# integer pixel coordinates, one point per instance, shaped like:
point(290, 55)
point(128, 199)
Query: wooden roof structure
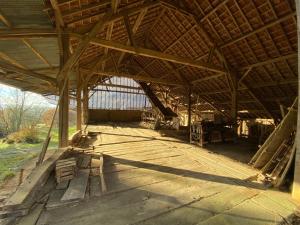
point(220, 49)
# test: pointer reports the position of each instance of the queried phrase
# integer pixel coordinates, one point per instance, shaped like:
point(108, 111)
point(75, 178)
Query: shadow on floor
point(189, 173)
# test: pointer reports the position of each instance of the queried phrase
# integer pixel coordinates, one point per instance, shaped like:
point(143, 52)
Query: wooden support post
point(234, 104)
point(296, 185)
point(85, 103)
point(63, 113)
point(189, 109)
point(78, 100)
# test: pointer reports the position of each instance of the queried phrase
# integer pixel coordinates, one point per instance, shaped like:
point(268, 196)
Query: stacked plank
point(65, 169)
point(33, 190)
point(275, 156)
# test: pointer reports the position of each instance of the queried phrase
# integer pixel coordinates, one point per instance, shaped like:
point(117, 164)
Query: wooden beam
point(256, 98)
point(194, 82)
point(11, 60)
point(83, 45)
point(13, 68)
point(63, 113)
point(114, 8)
point(119, 86)
point(85, 8)
point(134, 77)
point(244, 75)
point(266, 26)
point(78, 102)
point(114, 5)
point(57, 12)
point(129, 31)
point(213, 11)
point(153, 54)
point(16, 33)
point(296, 182)
point(270, 61)
point(121, 13)
point(35, 51)
point(134, 30)
point(189, 109)
point(85, 103)
point(4, 20)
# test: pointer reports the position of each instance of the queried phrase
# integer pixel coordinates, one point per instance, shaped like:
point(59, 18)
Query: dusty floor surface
point(158, 180)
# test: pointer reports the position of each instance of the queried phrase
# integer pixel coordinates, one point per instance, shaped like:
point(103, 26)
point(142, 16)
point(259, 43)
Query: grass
point(13, 156)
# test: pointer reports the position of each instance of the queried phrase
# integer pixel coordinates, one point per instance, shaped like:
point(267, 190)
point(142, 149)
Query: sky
point(7, 93)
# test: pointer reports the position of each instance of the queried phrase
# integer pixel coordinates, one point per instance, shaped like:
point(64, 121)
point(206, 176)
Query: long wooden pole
point(189, 110)
point(63, 116)
point(296, 185)
point(78, 102)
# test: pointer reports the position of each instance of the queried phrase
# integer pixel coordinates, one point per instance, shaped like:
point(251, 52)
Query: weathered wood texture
point(37, 178)
point(296, 185)
point(77, 186)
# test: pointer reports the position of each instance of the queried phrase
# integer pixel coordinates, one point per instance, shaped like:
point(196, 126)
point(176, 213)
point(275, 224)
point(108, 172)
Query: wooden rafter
point(35, 51)
point(11, 60)
point(5, 20)
point(82, 9)
point(13, 68)
point(153, 54)
point(16, 33)
point(271, 61)
point(266, 26)
point(245, 75)
point(134, 30)
point(57, 12)
point(121, 13)
point(114, 8)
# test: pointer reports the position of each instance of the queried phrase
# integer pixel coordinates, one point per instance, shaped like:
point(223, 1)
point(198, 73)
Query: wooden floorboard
point(153, 180)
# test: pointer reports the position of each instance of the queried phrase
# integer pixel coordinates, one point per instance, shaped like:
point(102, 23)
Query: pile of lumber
point(275, 156)
point(33, 190)
point(88, 182)
point(65, 169)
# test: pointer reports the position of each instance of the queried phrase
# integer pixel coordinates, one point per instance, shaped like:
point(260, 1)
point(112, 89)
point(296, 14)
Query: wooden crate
point(65, 169)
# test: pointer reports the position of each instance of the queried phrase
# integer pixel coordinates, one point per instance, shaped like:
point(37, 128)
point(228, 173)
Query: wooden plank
point(77, 187)
point(36, 179)
point(102, 180)
point(62, 185)
point(86, 161)
point(33, 216)
point(95, 188)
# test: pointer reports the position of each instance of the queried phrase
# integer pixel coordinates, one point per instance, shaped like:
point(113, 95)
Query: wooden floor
point(158, 180)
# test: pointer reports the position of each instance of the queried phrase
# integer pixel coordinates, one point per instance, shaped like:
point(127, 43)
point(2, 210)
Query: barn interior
point(186, 110)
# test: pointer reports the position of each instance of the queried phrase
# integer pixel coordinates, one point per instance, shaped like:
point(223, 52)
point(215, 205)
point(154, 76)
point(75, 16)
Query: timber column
point(296, 184)
point(78, 102)
point(63, 113)
point(189, 109)
point(234, 105)
point(85, 103)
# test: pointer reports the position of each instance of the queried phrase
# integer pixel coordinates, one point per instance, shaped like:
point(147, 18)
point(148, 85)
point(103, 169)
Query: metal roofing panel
point(19, 52)
point(25, 13)
point(48, 48)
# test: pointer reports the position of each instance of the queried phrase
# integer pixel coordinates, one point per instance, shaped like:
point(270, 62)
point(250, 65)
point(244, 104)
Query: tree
point(18, 110)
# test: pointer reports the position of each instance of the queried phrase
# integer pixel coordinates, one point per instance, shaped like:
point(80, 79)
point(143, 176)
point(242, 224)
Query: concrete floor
point(155, 180)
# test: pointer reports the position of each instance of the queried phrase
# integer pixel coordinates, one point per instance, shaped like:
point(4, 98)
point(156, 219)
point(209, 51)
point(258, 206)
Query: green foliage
point(13, 156)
